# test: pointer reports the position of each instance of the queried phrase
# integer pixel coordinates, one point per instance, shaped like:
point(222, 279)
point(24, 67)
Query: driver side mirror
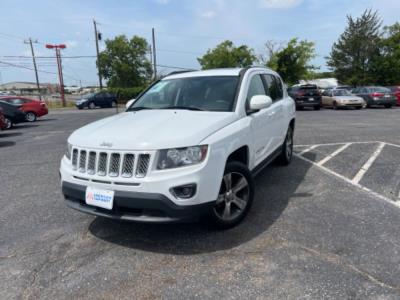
point(129, 103)
point(259, 102)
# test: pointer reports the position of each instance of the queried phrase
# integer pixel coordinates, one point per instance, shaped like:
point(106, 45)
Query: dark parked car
point(12, 114)
point(396, 91)
point(306, 96)
point(31, 107)
point(376, 95)
point(93, 100)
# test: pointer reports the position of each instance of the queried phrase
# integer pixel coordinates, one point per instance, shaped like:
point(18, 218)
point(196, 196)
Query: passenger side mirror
point(129, 103)
point(259, 102)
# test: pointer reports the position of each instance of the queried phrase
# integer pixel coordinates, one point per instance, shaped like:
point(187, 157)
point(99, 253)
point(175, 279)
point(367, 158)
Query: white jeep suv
point(188, 147)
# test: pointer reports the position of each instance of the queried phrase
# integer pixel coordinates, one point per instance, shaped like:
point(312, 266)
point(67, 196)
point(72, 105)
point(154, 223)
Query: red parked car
point(3, 124)
point(31, 107)
point(396, 92)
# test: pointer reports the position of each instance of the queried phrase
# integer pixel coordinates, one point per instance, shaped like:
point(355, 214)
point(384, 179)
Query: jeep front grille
point(112, 164)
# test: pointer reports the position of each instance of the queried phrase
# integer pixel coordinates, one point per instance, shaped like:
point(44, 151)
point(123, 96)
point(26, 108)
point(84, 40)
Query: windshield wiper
point(184, 107)
point(138, 108)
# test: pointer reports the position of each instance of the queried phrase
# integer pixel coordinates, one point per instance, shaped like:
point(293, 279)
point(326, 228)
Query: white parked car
point(188, 147)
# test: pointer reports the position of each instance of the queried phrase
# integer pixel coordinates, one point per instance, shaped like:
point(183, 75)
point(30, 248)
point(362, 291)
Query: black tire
point(30, 116)
point(91, 105)
point(113, 104)
point(388, 105)
point(318, 107)
point(358, 107)
point(231, 207)
point(80, 107)
point(286, 155)
point(299, 108)
point(8, 122)
point(335, 107)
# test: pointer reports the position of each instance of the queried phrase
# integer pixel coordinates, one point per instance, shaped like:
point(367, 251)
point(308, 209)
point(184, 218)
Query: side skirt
point(266, 161)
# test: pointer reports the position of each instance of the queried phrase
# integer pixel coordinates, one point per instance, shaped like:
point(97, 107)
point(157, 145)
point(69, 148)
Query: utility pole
point(96, 34)
point(154, 53)
point(151, 55)
point(59, 64)
point(35, 67)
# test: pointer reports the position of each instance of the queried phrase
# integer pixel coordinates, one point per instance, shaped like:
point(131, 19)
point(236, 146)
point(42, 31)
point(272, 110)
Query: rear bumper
point(135, 206)
point(305, 102)
point(42, 112)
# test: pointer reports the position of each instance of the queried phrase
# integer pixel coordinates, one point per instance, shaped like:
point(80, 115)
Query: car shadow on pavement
point(11, 134)
point(275, 187)
point(6, 144)
point(25, 126)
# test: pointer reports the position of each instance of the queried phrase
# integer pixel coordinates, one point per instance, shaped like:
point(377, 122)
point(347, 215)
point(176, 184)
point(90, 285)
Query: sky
point(184, 30)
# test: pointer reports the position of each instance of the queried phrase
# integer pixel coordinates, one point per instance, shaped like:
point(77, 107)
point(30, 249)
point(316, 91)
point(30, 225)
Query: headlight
point(180, 157)
point(68, 151)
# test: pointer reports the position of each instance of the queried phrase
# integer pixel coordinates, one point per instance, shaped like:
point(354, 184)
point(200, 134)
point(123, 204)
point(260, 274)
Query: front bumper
point(383, 102)
point(135, 206)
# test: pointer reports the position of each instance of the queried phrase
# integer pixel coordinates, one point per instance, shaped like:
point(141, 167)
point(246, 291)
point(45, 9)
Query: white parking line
point(367, 190)
point(368, 164)
point(333, 154)
point(308, 149)
point(338, 144)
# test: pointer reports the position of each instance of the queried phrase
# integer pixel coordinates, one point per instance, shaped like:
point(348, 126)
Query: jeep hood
point(151, 129)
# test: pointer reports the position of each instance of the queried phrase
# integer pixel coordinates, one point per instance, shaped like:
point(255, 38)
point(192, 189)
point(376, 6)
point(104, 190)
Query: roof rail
point(179, 72)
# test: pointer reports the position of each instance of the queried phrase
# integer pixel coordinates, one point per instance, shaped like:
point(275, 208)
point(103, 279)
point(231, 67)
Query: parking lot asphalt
point(327, 226)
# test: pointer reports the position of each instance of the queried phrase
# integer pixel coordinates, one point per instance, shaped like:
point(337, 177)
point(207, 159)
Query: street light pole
point(96, 34)
point(59, 64)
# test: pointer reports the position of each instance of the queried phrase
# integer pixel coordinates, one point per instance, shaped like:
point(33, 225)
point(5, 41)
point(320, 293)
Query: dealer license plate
point(310, 99)
point(100, 198)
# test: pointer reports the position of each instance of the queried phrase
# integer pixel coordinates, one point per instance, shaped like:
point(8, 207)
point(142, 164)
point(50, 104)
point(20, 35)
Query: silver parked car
point(337, 98)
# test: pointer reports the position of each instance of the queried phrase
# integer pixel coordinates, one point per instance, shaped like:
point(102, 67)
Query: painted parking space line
point(368, 164)
point(349, 181)
point(333, 154)
point(308, 149)
point(355, 181)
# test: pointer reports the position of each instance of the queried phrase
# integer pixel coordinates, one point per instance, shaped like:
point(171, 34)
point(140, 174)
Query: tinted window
point(341, 93)
point(381, 89)
point(256, 87)
point(210, 93)
point(274, 87)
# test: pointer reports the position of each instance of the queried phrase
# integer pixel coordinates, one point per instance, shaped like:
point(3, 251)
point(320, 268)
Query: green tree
point(124, 62)
point(293, 61)
point(386, 65)
point(352, 55)
point(226, 55)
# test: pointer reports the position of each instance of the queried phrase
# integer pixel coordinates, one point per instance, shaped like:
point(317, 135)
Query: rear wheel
point(235, 196)
point(335, 106)
point(92, 105)
point(30, 116)
point(287, 148)
point(113, 104)
point(8, 122)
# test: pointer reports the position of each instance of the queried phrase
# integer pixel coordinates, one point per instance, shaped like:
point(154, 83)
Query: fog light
point(184, 191)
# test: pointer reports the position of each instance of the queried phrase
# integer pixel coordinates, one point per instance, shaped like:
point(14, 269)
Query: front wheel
point(30, 116)
point(92, 105)
point(235, 196)
point(388, 105)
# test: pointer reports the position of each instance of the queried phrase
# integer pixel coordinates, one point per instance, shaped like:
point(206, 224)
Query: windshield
point(209, 93)
point(341, 93)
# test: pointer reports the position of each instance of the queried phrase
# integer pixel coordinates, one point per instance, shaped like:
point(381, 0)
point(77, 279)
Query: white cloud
point(209, 14)
point(280, 3)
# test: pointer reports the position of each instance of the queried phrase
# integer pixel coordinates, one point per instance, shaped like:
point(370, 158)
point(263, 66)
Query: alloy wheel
point(30, 117)
point(289, 143)
point(233, 196)
point(8, 123)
